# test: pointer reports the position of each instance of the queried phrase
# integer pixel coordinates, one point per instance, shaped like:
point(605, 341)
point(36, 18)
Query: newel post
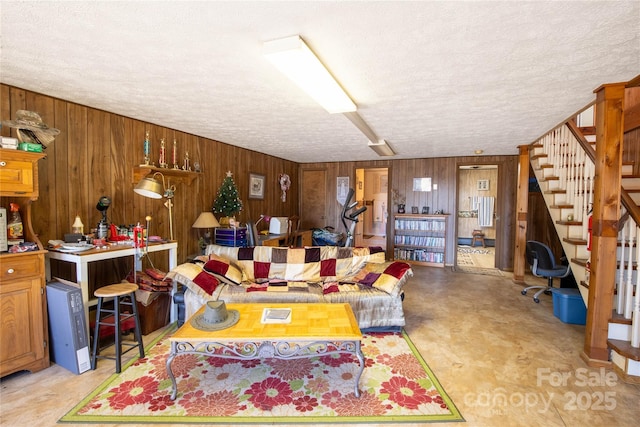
point(606, 213)
point(522, 207)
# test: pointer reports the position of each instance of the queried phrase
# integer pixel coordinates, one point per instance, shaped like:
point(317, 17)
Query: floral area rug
point(396, 386)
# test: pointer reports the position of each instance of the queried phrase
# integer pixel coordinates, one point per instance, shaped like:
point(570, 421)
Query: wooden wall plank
point(80, 184)
point(57, 199)
point(46, 109)
point(98, 168)
point(122, 174)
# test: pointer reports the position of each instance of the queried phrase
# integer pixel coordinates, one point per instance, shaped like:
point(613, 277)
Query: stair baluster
point(628, 287)
point(635, 323)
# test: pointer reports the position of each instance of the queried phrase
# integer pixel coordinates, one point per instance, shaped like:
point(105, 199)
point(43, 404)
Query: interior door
point(374, 194)
point(313, 199)
point(478, 184)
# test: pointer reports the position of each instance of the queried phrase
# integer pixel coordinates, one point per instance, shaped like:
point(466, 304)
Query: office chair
point(543, 264)
point(253, 238)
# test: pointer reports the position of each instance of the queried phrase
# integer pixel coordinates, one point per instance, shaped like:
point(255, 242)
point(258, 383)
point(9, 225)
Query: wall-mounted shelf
point(179, 175)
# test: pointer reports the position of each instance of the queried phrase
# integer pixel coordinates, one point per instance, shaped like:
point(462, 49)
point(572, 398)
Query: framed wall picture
point(342, 189)
point(483, 184)
point(421, 184)
point(256, 186)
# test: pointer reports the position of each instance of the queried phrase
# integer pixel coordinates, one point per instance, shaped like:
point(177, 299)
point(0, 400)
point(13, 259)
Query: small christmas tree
point(227, 201)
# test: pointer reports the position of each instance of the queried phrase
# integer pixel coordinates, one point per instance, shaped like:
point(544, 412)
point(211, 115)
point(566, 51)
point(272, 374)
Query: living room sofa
point(265, 274)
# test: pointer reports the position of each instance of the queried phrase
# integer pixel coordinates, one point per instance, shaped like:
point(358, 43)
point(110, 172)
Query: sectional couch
point(358, 276)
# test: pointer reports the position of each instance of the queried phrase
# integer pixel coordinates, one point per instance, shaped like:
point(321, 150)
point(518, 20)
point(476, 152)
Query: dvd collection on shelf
point(422, 255)
point(420, 239)
point(422, 225)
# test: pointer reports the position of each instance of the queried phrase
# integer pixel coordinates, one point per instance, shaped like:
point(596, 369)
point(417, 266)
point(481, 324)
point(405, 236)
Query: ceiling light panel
point(382, 148)
point(294, 59)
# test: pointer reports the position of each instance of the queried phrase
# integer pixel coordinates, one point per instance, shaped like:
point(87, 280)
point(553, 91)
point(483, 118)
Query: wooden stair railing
point(566, 170)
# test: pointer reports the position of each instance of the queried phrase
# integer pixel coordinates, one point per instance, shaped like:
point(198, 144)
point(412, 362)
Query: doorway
point(372, 190)
point(476, 217)
point(313, 199)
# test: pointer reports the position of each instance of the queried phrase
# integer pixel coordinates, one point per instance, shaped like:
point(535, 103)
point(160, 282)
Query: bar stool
point(123, 294)
point(477, 236)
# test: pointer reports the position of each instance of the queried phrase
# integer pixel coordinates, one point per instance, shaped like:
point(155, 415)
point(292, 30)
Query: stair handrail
point(625, 198)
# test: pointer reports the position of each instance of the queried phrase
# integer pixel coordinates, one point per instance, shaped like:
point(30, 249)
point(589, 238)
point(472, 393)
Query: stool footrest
point(112, 320)
point(131, 346)
point(108, 324)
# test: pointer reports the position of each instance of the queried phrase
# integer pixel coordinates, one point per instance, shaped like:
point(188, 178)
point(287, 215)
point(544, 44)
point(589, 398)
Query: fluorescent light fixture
point(293, 58)
point(355, 118)
point(382, 148)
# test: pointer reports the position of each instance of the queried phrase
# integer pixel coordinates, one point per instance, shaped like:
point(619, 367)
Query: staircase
point(563, 163)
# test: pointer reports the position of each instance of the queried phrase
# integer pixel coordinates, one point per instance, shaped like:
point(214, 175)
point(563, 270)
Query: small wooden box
point(155, 315)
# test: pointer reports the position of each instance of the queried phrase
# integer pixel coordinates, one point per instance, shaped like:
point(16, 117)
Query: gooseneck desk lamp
point(154, 189)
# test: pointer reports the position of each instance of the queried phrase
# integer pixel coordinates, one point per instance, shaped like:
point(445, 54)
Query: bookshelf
point(420, 239)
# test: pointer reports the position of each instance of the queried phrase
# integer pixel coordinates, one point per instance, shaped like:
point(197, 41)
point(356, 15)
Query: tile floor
point(504, 360)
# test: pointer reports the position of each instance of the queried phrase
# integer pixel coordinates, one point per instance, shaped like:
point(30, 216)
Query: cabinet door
point(17, 176)
point(21, 320)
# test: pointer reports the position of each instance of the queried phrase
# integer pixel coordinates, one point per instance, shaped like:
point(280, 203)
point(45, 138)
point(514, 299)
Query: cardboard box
point(9, 143)
point(31, 147)
point(568, 306)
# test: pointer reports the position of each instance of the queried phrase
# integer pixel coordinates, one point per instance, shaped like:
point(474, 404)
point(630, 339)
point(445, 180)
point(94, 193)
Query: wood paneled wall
point(95, 154)
point(443, 172)
point(96, 151)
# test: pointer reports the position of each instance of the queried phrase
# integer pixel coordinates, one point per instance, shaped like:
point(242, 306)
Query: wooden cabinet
point(420, 239)
point(23, 306)
point(23, 323)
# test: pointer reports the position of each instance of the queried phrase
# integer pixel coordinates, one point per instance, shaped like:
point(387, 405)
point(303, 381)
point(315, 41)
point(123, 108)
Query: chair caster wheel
point(536, 300)
point(523, 292)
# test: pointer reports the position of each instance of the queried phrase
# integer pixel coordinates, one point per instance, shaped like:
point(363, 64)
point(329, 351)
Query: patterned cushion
point(201, 282)
point(223, 266)
point(388, 278)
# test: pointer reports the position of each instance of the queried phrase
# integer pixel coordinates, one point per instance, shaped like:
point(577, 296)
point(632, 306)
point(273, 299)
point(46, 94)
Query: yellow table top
point(309, 322)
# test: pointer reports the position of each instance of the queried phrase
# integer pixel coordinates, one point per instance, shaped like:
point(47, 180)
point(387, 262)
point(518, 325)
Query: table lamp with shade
point(208, 221)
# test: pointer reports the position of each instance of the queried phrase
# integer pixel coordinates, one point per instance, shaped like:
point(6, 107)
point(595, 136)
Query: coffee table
point(314, 330)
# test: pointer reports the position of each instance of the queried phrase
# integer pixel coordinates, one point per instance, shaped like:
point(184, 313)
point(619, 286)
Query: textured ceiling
point(432, 78)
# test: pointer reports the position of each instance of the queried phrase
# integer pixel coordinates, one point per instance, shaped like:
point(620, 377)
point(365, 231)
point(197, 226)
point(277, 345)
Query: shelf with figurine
point(180, 175)
point(168, 167)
